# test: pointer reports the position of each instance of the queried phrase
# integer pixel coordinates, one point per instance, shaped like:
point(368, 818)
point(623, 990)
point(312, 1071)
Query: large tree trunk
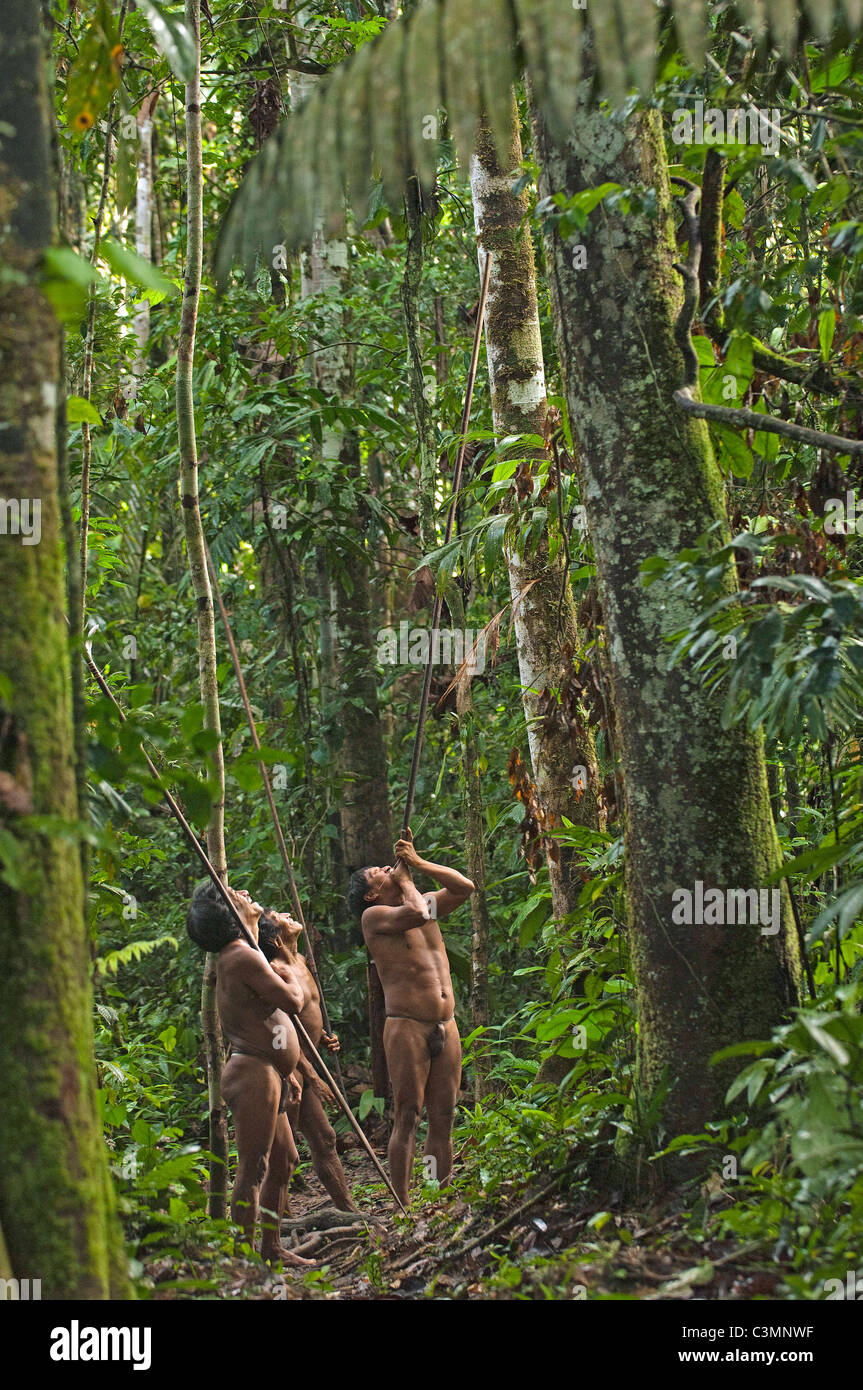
point(197, 556)
point(696, 798)
point(562, 753)
point(56, 1204)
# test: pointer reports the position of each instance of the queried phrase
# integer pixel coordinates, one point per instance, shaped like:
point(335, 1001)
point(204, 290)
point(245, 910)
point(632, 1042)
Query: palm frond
point(377, 111)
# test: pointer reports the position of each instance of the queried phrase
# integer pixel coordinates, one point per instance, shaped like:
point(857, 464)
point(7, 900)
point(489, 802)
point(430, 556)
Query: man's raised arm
point(411, 912)
point(456, 888)
point(261, 977)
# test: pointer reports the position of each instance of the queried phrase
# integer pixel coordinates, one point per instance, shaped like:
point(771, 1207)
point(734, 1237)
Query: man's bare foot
point(287, 1257)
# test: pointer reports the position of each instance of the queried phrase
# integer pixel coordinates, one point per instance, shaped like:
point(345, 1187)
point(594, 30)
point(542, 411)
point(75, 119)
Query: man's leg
point(441, 1094)
point(274, 1195)
point(408, 1061)
point(252, 1090)
point(321, 1138)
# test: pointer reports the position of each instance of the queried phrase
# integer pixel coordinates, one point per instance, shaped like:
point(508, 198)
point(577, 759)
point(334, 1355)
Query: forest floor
point(540, 1242)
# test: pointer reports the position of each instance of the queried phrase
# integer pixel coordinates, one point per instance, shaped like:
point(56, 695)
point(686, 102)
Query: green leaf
point(135, 268)
point(764, 442)
point(703, 350)
point(826, 331)
point(66, 282)
point(736, 454)
point(825, 1040)
point(66, 264)
point(78, 410)
point(368, 1102)
point(12, 861)
point(248, 775)
point(173, 39)
point(557, 1024)
point(96, 71)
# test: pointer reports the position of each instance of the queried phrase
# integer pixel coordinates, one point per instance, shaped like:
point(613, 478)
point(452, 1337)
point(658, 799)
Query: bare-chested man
point(254, 1004)
point(421, 1040)
point(278, 934)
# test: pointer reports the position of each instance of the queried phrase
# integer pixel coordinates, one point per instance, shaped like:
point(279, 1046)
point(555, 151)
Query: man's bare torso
point(414, 972)
point(248, 1021)
point(297, 970)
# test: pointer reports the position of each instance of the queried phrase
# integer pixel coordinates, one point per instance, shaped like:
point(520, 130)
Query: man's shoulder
point(375, 912)
point(369, 923)
point(237, 956)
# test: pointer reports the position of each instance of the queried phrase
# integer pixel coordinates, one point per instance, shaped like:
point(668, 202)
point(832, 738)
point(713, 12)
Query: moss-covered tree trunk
point(197, 557)
point(562, 752)
point(56, 1205)
point(696, 799)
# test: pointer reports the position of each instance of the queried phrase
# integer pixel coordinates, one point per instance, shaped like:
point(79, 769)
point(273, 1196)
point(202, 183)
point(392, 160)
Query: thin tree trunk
point(329, 681)
point(472, 797)
point(144, 226)
point(56, 1202)
point(474, 843)
point(87, 386)
point(561, 746)
point(696, 800)
point(196, 551)
point(365, 815)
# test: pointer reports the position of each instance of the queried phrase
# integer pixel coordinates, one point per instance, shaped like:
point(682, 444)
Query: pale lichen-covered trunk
point(143, 227)
point(197, 557)
point(56, 1203)
point(696, 798)
point(561, 746)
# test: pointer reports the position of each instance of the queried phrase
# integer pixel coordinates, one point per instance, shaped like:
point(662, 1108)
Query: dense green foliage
point(284, 524)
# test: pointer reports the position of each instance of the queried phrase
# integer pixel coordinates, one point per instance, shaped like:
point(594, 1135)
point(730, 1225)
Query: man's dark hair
point(209, 921)
point(357, 894)
point(268, 933)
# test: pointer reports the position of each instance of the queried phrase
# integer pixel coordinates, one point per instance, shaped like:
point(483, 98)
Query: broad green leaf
point(135, 268)
point(703, 350)
point(79, 410)
point(96, 71)
point(736, 452)
point(66, 264)
point(826, 332)
point(173, 39)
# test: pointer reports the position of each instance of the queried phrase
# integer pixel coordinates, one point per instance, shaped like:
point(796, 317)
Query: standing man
point(257, 1083)
point(278, 936)
point(401, 931)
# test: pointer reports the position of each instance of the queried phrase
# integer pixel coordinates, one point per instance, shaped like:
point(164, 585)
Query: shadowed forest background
point(656, 689)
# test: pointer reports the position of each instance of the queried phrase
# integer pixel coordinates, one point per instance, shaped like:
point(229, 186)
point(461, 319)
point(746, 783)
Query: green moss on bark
point(696, 803)
point(56, 1205)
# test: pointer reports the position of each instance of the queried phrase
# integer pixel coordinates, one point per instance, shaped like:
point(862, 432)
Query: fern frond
point(134, 950)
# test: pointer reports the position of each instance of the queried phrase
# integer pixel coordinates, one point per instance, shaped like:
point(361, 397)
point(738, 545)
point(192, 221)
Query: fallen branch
point(501, 1225)
point(328, 1219)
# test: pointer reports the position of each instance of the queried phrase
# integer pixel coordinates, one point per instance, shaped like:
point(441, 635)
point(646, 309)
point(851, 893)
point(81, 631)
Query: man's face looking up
point(289, 928)
point(381, 886)
point(249, 910)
